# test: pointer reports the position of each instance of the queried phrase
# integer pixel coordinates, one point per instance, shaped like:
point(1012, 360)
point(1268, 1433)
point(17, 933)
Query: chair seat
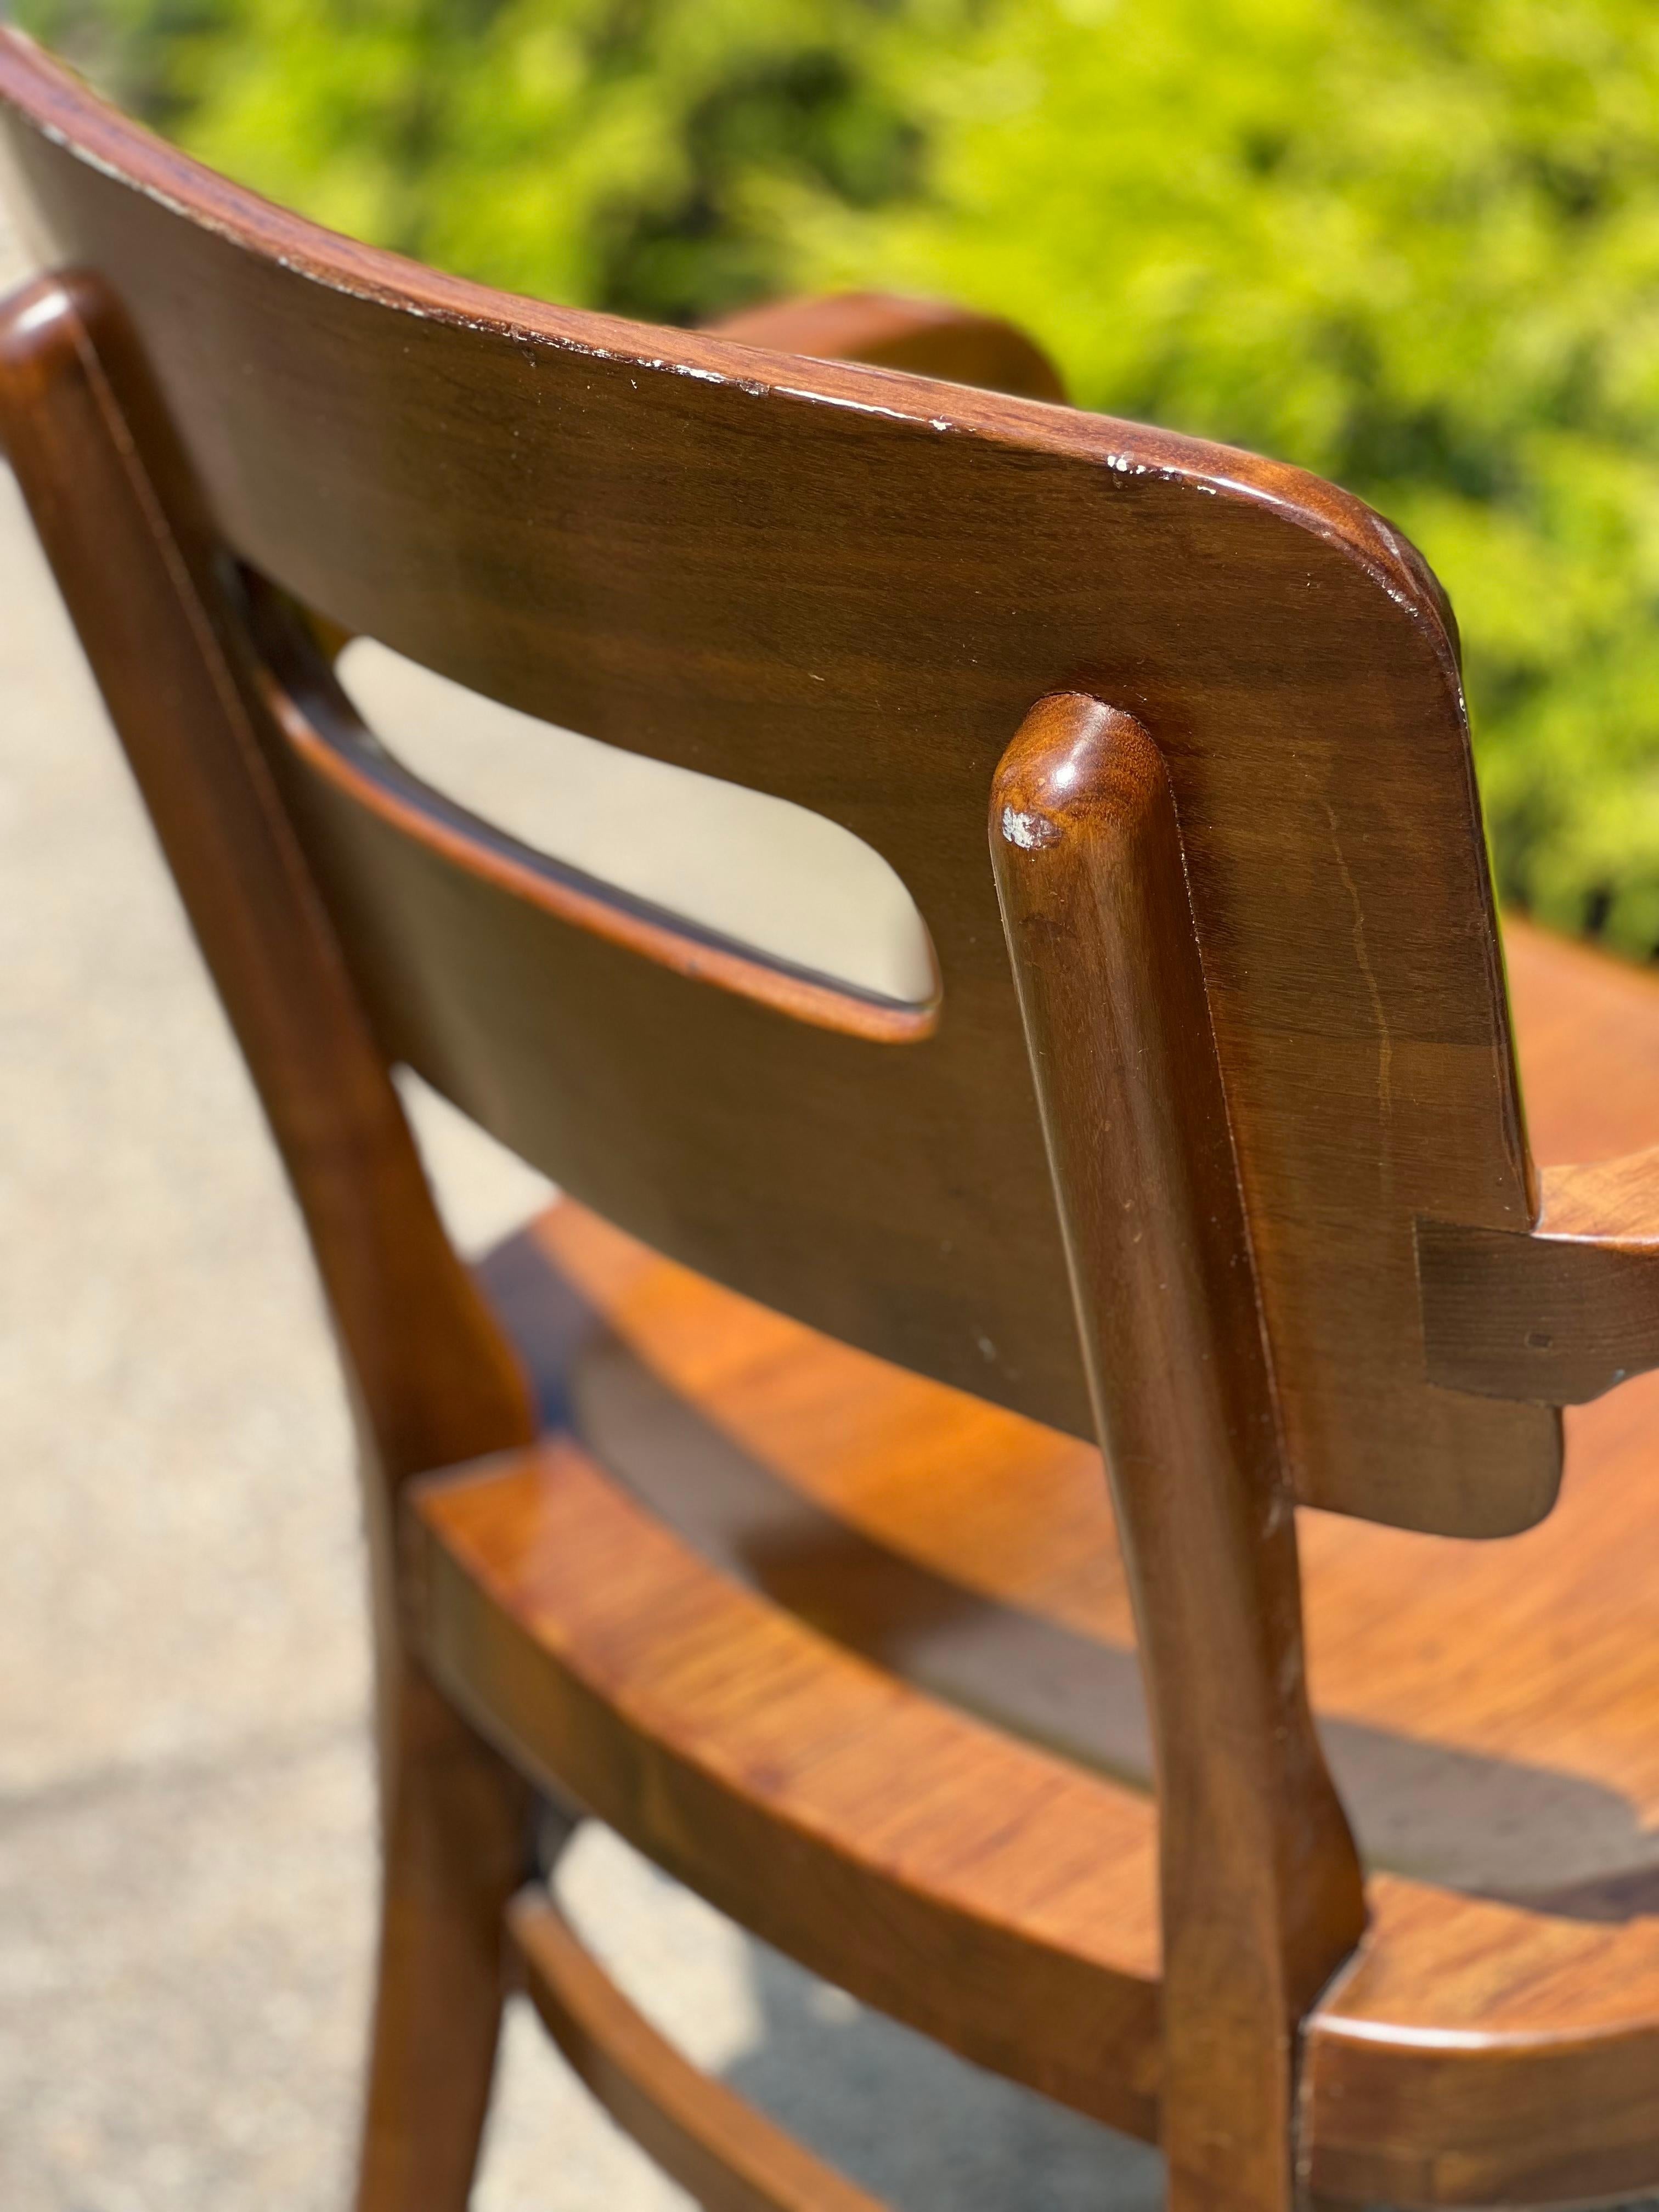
point(852, 1654)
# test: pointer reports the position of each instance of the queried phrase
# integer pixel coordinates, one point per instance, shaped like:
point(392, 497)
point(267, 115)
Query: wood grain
point(320, 725)
point(1253, 935)
point(1558, 1315)
point(868, 1830)
point(1487, 1707)
point(1570, 1311)
point(974, 1554)
point(1258, 1878)
point(847, 586)
point(1556, 1665)
point(948, 1885)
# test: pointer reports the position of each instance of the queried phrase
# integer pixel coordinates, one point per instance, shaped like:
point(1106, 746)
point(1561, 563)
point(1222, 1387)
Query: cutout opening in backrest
point(765, 873)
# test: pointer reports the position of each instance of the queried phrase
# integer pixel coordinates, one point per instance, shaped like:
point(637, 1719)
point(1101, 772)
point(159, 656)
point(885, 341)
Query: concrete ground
point(186, 1857)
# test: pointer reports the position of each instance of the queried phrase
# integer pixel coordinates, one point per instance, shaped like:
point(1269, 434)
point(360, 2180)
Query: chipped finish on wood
point(1417, 1656)
point(726, 2154)
point(847, 586)
point(926, 337)
point(1259, 1883)
point(432, 1377)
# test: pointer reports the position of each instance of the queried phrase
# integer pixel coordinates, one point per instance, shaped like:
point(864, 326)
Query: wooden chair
point(777, 1538)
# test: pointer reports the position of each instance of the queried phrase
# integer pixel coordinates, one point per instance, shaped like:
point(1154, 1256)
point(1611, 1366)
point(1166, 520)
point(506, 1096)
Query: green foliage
point(1412, 244)
point(610, 152)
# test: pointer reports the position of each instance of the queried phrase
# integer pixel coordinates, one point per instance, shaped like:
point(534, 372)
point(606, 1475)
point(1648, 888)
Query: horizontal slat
point(1487, 1710)
point(317, 720)
point(981, 1891)
point(1563, 1315)
point(714, 2142)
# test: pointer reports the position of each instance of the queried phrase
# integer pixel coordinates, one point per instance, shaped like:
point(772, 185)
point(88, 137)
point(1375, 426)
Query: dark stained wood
point(847, 586)
point(454, 1828)
point(431, 1376)
point(945, 1872)
point(1570, 1311)
point(1259, 1883)
point(1472, 1689)
point(716, 2146)
point(931, 1865)
point(1252, 929)
point(1557, 1666)
point(928, 336)
point(135, 563)
point(1558, 1315)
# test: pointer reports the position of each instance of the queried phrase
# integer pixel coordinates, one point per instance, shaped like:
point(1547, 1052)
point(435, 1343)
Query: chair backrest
point(847, 587)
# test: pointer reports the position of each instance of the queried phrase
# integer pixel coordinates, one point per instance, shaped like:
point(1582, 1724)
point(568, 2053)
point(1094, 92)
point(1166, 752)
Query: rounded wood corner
point(316, 720)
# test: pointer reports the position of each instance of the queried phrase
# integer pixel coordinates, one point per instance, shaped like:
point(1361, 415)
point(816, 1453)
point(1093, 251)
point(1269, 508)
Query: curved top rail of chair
point(87, 129)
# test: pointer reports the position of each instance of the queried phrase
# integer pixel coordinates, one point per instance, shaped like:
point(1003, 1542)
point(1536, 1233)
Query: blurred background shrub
point(1411, 244)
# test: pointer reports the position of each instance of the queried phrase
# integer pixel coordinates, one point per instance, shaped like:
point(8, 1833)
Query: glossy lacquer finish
point(1487, 1709)
point(1260, 1884)
point(1208, 1152)
point(847, 587)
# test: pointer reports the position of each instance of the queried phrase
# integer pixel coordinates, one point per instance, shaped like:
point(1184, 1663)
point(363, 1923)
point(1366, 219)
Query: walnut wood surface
point(934, 1867)
point(717, 2146)
point(974, 1553)
point(1571, 1311)
point(1485, 2048)
point(323, 729)
point(1258, 1878)
point(928, 336)
point(847, 586)
point(1497, 2040)
point(1560, 1315)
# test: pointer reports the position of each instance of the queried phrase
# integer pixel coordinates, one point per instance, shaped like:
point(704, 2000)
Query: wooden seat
point(974, 1553)
point(1487, 1717)
point(756, 1498)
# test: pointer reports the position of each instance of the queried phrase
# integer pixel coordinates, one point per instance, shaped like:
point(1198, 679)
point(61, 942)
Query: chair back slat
point(848, 587)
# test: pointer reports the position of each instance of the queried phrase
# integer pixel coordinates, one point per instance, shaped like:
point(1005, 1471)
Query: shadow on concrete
point(919, 2127)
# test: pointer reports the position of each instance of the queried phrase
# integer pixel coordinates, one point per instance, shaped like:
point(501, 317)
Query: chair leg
point(455, 1822)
